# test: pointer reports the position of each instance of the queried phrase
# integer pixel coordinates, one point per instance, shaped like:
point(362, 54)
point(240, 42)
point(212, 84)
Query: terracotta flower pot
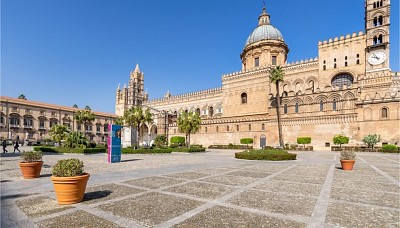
point(347, 164)
point(70, 190)
point(31, 169)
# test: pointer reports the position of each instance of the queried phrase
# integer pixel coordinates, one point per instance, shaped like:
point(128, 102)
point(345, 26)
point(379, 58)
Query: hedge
point(304, 140)
point(177, 140)
point(189, 150)
point(389, 148)
point(145, 151)
point(272, 155)
point(230, 146)
point(65, 150)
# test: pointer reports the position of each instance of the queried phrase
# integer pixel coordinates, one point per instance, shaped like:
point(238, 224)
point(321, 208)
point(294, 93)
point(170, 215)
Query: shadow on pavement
point(129, 160)
point(96, 195)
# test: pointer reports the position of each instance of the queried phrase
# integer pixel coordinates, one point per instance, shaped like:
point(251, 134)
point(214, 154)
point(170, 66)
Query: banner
point(114, 143)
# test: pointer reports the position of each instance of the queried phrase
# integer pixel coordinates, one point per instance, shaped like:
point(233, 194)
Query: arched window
point(380, 39)
point(375, 23)
point(237, 128)
point(249, 127)
point(263, 127)
point(375, 41)
point(227, 128)
point(211, 111)
point(380, 20)
point(384, 113)
point(285, 109)
point(324, 68)
point(341, 80)
point(217, 129)
point(334, 104)
point(244, 98)
point(296, 108)
point(311, 84)
point(206, 129)
point(198, 111)
point(374, 5)
point(297, 88)
point(321, 106)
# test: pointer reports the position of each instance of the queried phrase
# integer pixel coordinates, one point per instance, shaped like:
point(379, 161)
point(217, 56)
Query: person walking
point(16, 146)
point(4, 144)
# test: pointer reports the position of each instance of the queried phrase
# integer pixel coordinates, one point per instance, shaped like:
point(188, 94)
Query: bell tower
point(377, 23)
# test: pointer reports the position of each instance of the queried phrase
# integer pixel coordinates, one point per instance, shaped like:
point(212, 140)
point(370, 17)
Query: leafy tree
point(84, 116)
point(87, 107)
point(76, 139)
point(188, 123)
point(134, 117)
point(276, 75)
point(59, 132)
point(119, 121)
point(22, 96)
point(177, 140)
point(340, 139)
point(160, 141)
point(75, 106)
point(246, 141)
point(304, 140)
point(371, 140)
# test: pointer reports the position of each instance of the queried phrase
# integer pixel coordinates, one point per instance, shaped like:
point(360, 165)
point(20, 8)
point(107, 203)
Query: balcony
point(42, 128)
point(89, 131)
point(28, 126)
point(98, 132)
point(14, 125)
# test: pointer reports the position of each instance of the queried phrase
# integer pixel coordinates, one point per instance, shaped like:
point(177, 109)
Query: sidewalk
point(210, 189)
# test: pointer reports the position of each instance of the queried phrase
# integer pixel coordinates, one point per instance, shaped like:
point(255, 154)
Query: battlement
point(206, 92)
point(341, 39)
point(301, 63)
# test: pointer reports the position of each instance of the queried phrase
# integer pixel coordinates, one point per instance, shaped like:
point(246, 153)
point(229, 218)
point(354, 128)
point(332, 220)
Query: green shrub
point(189, 150)
point(304, 140)
point(371, 140)
point(347, 155)
point(246, 141)
point(390, 148)
point(340, 139)
point(272, 155)
point(159, 141)
point(94, 150)
point(145, 151)
point(180, 140)
point(65, 150)
point(68, 168)
point(32, 156)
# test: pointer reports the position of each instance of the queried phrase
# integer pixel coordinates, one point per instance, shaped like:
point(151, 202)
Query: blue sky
point(77, 51)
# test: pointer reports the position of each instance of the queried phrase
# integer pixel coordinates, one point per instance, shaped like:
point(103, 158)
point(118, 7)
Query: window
point(257, 62)
point(42, 124)
point(324, 68)
point(345, 64)
point(105, 128)
point(206, 129)
point(237, 127)
point(321, 106)
point(2, 120)
point(384, 113)
point(211, 111)
point(244, 98)
point(341, 80)
point(273, 60)
point(249, 127)
point(375, 22)
point(358, 59)
point(97, 128)
point(217, 129)
point(380, 39)
point(296, 108)
point(28, 122)
point(198, 111)
point(285, 109)
point(263, 127)
point(14, 120)
point(227, 128)
point(311, 84)
point(334, 104)
point(78, 127)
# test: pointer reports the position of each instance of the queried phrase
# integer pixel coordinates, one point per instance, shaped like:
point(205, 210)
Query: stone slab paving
point(210, 189)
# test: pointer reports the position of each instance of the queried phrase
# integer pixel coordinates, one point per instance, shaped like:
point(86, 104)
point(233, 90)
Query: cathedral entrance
point(263, 141)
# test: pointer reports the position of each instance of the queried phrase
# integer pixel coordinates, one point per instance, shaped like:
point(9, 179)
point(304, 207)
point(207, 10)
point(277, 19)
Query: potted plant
point(69, 181)
point(347, 159)
point(31, 164)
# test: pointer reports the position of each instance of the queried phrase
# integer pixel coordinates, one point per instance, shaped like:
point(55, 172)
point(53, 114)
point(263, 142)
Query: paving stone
point(40, 206)
point(77, 219)
point(269, 167)
point(368, 197)
point(348, 215)
point(272, 202)
point(213, 171)
point(150, 209)
point(366, 185)
point(219, 216)
point(201, 190)
point(350, 175)
point(231, 180)
point(294, 188)
point(106, 192)
point(300, 179)
point(393, 172)
point(245, 173)
point(153, 182)
point(187, 175)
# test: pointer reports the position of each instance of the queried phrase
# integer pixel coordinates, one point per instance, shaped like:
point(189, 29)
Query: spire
point(264, 18)
point(118, 86)
point(137, 68)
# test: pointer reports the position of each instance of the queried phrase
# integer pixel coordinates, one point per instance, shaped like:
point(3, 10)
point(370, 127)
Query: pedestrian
point(4, 146)
point(16, 146)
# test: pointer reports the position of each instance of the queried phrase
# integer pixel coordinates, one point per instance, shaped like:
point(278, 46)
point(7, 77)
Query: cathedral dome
point(264, 32)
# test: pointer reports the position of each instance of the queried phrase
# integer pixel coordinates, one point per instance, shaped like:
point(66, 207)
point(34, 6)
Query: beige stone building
point(348, 89)
point(31, 121)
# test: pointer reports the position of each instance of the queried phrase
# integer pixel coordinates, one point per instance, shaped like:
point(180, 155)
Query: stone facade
point(32, 121)
point(348, 89)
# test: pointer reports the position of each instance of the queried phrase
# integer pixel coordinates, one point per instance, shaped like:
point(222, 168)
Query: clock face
point(377, 57)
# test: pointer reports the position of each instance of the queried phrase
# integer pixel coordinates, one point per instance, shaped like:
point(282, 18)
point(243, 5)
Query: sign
point(114, 143)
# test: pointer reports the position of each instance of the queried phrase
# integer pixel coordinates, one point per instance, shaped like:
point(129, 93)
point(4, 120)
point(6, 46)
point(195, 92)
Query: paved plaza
point(211, 189)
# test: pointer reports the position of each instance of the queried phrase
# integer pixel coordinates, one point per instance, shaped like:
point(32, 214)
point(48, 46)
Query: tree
point(133, 118)
point(340, 139)
point(160, 141)
point(75, 106)
point(59, 132)
point(371, 140)
point(246, 141)
point(119, 121)
point(276, 75)
point(304, 140)
point(22, 96)
point(76, 139)
point(188, 123)
point(84, 116)
point(87, 107)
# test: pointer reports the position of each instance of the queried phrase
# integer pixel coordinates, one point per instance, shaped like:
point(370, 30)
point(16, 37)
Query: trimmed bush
point(32, 156)
point(304, 140)
point(272, 155)
point(177, 140)
point(160, 141)
point(68, 168)
point(230, 146)
point(70, 150)
point(389, 148)
point(340, 139)
point(145, 151)
point(189, 150)
point(246, 141)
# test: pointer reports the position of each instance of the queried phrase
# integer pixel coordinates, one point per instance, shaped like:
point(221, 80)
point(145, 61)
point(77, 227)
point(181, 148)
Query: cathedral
point(349, 89)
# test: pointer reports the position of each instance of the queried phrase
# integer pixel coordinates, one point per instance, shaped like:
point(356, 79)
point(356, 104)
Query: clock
point(377, 57)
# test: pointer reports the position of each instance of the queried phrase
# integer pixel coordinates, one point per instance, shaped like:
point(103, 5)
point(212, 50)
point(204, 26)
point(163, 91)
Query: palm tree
point(75, 106)
point(76, 139)
point(22, 96)
point(276, 75)
point(119, 121)
point(87, 107)
point(188, 123)
point(59, 132)
point(84, 116)
point(133, 118)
